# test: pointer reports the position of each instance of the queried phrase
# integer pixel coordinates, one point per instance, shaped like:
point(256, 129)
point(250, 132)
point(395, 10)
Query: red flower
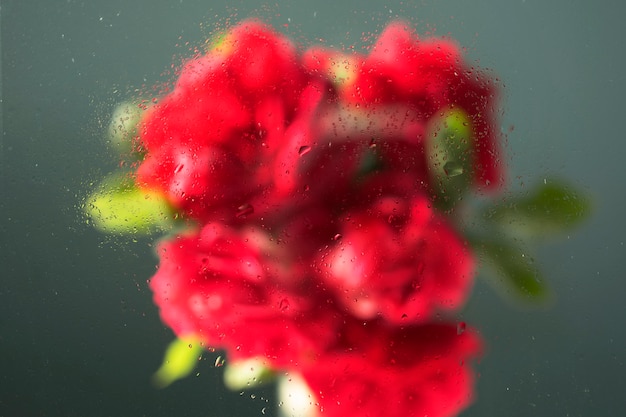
point(224, 287)
point(415, 79)
point(261, 62)
point(208, 142)
point(318, 248)
point(399, 260)
point(413, 371)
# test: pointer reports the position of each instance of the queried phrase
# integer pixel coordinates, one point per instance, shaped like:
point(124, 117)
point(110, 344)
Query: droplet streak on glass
point(244, 210)
point(219, 362)
point(453, 168)
point(304, 150)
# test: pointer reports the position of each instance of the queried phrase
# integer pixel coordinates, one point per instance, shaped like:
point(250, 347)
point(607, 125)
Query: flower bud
point(450, 152)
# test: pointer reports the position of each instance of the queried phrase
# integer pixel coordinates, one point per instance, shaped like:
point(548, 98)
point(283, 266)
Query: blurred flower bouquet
point(320, 221)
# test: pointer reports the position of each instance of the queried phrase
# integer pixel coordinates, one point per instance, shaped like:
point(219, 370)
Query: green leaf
point(550, 208)
point(181, 357)
point(450, 152)
point(513, 269)
point(119, 206)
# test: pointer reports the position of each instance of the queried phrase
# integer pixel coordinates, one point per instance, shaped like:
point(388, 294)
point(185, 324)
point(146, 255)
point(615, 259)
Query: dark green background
point(79, 335)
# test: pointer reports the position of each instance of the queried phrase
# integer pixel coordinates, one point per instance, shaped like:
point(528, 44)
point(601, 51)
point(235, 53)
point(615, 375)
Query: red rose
point(224, 287)
point(416, 79)
point(413, 371)
point(197, 179)
point(399, 260)
point(432, 75)
point(262, 62)
point(412, 68)
point(210, 141)
point(317, 247)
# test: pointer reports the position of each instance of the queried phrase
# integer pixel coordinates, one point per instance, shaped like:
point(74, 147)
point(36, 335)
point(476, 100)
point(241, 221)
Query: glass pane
point(388, 173)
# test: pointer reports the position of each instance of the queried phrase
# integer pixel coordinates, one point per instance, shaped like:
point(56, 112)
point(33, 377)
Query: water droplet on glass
point(304, 150)
point(219, 362)
point(460, 327)
point(284, 304)
point(337, 236)
point(453, 168)
point(244, 210)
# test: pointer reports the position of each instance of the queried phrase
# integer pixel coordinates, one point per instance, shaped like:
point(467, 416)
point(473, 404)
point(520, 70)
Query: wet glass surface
point(79, 334)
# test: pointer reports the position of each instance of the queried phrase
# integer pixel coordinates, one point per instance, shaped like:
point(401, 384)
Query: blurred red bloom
point(398, 260)
point(412, 371)
point(208, 141)
point(223, 287)
point(316, 244)
point(416, 79)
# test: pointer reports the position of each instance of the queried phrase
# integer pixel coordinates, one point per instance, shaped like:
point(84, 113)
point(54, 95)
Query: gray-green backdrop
point(79, 335)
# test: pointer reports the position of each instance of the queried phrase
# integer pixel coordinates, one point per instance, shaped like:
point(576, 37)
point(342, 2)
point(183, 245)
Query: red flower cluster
point(318, 246)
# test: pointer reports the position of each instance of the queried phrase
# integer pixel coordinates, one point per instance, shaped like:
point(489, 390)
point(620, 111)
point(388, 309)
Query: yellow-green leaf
point(119, 206)
point(181, 357)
